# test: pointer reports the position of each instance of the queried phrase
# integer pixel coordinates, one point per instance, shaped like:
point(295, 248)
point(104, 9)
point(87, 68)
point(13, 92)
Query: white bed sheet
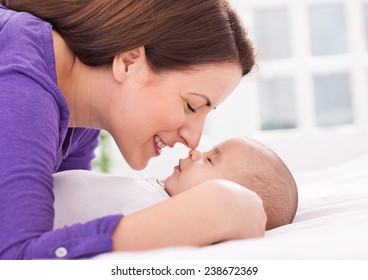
point(331, 223)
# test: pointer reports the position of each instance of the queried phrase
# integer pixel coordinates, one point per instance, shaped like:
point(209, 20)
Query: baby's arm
point(211, 212)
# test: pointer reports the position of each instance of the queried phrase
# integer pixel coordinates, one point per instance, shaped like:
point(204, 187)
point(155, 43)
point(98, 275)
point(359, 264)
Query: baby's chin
point(166, 185)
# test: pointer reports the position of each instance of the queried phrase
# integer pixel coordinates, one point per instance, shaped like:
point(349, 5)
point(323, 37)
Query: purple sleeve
point(81, 151)
point(29, 141)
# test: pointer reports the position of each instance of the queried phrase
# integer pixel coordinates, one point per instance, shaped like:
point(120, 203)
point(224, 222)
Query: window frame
point(307, 140)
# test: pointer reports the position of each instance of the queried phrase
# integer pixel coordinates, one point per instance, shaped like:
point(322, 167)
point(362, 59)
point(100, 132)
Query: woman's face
point(153, 111)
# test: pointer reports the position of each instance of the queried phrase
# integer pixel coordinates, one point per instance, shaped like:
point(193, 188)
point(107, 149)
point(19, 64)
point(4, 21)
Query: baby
point(241, 160)
point(248, 163)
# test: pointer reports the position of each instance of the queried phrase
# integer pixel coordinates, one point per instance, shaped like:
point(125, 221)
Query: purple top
point(35, 142)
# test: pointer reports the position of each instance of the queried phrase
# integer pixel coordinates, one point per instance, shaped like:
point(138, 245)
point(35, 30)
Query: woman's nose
point(191, 132)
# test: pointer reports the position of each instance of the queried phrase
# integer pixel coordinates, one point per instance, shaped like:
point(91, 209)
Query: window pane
point(272, 33)
point(333, 101)
point(277, 104)
point(366, 21)
point(328, 29)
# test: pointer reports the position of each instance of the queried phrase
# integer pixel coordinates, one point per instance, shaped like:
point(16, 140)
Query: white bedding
point(331, 223)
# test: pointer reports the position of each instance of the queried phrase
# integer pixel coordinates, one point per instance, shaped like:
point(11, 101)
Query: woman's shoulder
point(23, 22)
point(26, 42)
point(27, 57)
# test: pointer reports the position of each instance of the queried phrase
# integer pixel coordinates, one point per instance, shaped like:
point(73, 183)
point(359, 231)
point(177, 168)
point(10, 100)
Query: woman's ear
point(125, 63)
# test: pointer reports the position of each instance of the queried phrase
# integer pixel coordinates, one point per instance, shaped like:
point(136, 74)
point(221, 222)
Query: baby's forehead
point(235, 145)
point(233, 150)
point(244, 151)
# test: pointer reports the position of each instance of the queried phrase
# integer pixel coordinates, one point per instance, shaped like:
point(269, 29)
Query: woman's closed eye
point(191, 108)
point(209, 159)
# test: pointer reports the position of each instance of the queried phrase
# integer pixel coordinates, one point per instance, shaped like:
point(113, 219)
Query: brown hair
point(176, 34)
point(267, 175)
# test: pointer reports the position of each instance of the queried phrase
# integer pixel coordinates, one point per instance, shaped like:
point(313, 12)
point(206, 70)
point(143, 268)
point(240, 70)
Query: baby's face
point(221, 162)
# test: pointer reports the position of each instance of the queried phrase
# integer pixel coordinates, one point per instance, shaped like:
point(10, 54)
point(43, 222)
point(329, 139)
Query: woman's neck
point(79, 85)
point(88, 90)
point(65, 62)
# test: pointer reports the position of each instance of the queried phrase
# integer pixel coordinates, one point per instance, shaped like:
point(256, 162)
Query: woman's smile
point(158, 145)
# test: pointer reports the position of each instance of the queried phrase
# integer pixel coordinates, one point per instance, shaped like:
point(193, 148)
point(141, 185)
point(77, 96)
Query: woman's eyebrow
point(208, 101)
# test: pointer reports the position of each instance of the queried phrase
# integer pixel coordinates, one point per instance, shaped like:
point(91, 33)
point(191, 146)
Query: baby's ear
point(127, 62)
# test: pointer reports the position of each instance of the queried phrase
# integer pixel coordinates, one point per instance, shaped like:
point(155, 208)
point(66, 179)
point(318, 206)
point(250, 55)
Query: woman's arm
point(211, 212)
point(29, 141)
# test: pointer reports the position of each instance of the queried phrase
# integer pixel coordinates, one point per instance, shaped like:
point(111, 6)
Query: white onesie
point(82, 195)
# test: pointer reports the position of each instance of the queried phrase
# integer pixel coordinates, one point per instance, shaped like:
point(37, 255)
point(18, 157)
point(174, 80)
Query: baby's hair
point(266, 174)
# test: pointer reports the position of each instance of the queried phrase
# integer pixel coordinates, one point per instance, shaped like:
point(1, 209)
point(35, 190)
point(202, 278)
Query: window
point(277, 104)
point(272, 33)
point(332, 97)
point(365, 8)
point(312, 61)
point(327, 29)
point(308, 97)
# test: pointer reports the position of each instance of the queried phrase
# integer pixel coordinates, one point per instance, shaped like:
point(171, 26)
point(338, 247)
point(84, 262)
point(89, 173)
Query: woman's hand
point(211, 212)
point(242, 210)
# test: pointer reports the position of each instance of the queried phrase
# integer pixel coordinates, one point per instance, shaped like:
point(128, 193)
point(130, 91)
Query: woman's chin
point(137, 164)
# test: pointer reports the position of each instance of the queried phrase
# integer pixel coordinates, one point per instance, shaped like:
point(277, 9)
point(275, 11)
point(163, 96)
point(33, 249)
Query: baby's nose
point(194, 154)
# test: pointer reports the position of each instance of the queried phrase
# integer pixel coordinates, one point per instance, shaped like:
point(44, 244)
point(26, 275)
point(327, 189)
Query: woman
point(148, 72)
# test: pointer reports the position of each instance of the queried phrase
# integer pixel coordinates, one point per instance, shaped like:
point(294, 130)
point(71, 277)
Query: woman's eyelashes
point(190, 107)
